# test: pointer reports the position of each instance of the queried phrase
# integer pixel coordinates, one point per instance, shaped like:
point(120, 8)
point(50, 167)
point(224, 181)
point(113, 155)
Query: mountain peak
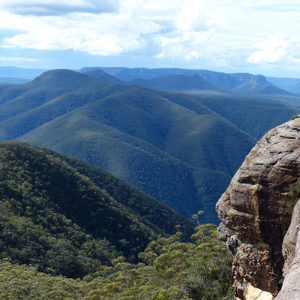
point(65, 79)
point(260, 79)
point(60, 74)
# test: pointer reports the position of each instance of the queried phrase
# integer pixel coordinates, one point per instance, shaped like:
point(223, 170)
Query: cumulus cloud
point(196, 26)
point(274, 50)
point(97, 34)
point(138, 25)
point(207, 33)
point(194, 16)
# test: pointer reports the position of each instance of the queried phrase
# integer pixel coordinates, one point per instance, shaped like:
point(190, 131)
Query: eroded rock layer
point(256, 209)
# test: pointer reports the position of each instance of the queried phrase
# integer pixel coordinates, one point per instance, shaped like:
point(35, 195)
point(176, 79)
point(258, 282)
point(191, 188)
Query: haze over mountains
point(232, 82)
point(180, 149)
point(177, 83)
point(21, 73)
point(242, 83)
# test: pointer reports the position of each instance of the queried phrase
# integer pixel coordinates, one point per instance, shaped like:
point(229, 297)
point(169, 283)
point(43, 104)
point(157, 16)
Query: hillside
point(141, 146)
point(53, 214)
point(258, 85)
point(294, 88)
point(169, 269)
point(135, 201)
point(73, 231)
point(180, 149)
point(103, 76)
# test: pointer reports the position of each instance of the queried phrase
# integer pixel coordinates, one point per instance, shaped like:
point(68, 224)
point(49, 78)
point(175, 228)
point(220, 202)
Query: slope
point(294, 88)
point(255, 118)
point(138, 134)
point(133, 199)
point(61, 221)
point(258, 85)
point(103, 77)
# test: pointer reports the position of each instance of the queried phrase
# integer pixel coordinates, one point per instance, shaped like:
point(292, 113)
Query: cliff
point(256, 212)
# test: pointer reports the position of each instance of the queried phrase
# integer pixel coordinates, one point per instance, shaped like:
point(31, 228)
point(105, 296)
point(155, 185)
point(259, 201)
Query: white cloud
point(193, 55)
point(217, 33)
point(192, 38)
point(274, 50)
point(194, 16)
point(98, 34)
point(11, 21)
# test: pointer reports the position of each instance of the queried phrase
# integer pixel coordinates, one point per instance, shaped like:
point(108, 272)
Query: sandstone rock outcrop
point(256, 212)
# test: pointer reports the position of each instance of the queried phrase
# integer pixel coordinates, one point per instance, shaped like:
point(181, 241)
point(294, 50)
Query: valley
point(107, 185)
point(179, 148)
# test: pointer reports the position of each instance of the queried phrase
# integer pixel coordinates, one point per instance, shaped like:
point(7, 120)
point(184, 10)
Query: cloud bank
point(200, 33)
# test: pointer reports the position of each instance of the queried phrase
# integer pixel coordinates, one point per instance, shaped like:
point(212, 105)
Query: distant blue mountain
point(243, 83)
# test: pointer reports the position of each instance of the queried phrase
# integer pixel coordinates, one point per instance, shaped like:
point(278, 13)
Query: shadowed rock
point(291, 253)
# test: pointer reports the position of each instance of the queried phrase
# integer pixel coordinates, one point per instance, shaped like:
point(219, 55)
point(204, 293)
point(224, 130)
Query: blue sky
point(254, 36)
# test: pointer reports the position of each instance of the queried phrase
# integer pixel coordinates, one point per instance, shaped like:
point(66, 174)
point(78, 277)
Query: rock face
point(291, 253)
point(256, 212)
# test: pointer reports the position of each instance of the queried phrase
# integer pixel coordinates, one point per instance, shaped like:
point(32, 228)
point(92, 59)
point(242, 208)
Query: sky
point(234, 36)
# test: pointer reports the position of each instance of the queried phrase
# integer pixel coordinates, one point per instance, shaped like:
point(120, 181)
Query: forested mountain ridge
point(135, 201)
point(180, 149)
point(48, 207)
point(58, 224)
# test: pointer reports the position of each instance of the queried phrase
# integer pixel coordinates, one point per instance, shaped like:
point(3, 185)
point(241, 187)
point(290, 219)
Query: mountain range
point(224, 81)
point(196, 80)
point(70, 229)
point(180, 149)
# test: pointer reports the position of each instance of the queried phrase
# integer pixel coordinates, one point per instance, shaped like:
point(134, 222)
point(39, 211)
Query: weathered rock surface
point(256, 209)
point(291, 253)
point(290, 240)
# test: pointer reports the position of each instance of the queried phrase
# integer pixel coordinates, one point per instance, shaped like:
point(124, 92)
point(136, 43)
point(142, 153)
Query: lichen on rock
point(257, 208)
